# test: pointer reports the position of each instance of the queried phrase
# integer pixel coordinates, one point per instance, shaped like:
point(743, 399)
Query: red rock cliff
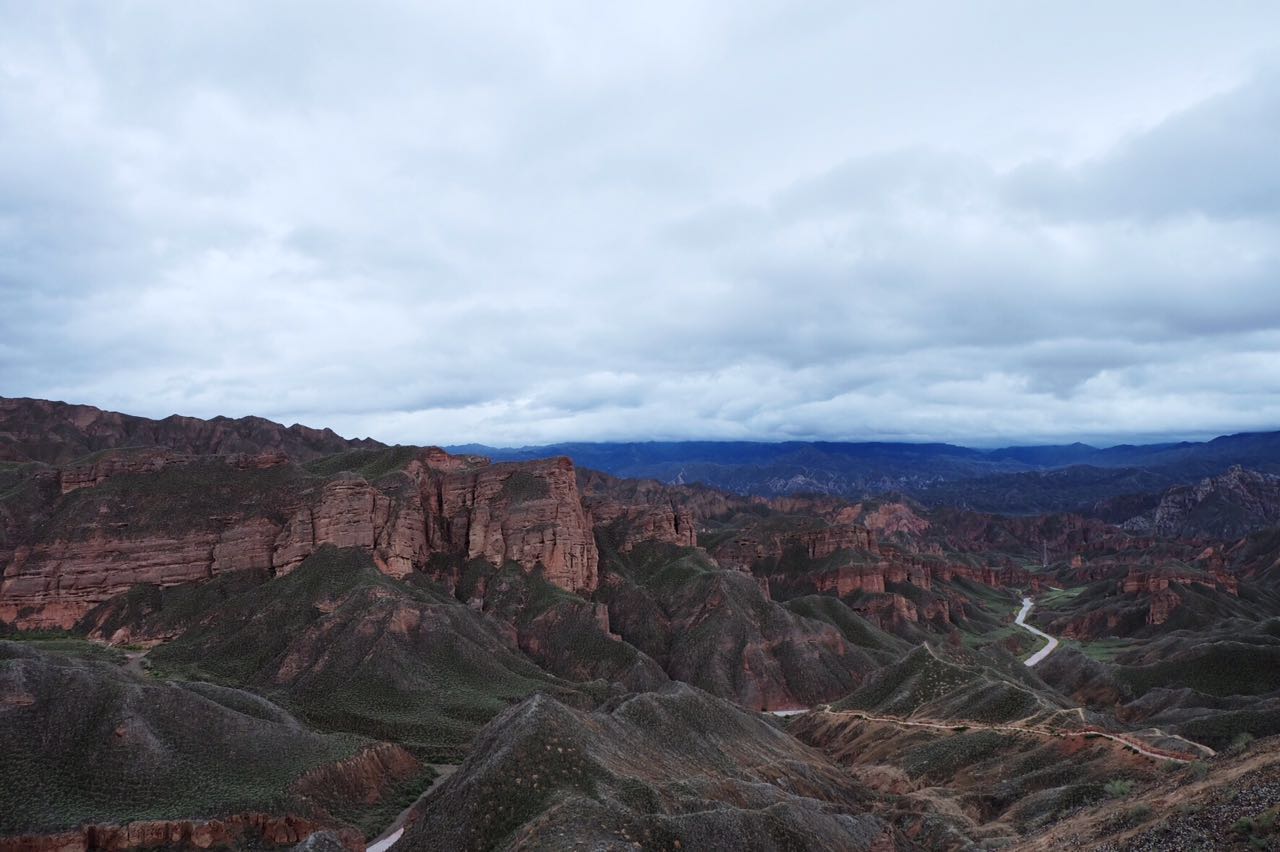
point(262, 513)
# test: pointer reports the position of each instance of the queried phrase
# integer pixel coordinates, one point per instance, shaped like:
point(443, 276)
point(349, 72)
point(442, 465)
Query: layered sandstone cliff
point(95, 530)
point(813, 541)
point(524, 512)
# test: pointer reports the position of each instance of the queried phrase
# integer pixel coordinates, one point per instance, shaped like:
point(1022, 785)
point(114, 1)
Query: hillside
point(673, 769)
point(84, 742)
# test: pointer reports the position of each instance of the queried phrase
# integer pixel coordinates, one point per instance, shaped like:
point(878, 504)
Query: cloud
point(1213, 160)
point(474, 222)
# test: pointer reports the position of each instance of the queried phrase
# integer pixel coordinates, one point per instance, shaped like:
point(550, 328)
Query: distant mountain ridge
point(1013, 480)
point(1007, 479)
point(57, 432)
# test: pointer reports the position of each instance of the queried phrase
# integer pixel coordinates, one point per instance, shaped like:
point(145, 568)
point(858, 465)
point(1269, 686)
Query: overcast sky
point(984, 222)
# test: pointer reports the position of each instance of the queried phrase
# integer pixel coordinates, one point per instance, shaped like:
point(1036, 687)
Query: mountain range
point(1022, 480)
point(236, 634)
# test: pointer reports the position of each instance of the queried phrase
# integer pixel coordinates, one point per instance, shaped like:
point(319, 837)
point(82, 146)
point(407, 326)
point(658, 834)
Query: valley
point(1051, 642)
point(256, 636)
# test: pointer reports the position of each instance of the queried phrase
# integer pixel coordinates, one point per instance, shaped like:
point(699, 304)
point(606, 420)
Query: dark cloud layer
point(518, 223)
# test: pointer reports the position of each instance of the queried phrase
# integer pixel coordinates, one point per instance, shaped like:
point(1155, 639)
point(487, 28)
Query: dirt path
point(395, 831)
point(133, 662)
point(1037, 730)
point(1021, 621)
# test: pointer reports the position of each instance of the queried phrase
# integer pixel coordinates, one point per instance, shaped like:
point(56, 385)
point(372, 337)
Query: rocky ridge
point(57, 433)
point(1227, 506)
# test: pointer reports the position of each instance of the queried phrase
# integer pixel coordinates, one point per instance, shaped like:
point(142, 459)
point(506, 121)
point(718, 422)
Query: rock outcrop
point(632, 511)
point(365, 777)
point(1159, 587)
point(829, 554)
point(235, 831)
point(806, 537)
point(525, 512)
point(159, 517)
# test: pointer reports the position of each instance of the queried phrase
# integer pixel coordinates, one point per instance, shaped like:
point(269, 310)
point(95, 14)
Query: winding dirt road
point(1021, 621)
point(1038, 730)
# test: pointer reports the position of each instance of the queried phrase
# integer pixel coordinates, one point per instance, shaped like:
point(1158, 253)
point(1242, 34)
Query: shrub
point(1139, 814)
point(1241, 742)
point(1118, 788)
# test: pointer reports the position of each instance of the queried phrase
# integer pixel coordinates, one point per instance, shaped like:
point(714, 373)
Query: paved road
point(1021, 621)
point(389, 837)
point(386, 842)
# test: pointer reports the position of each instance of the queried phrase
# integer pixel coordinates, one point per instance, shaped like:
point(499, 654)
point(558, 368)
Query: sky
point(521, 223)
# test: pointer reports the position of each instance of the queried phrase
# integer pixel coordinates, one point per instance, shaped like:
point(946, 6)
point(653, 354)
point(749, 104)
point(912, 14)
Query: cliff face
point(831, 554)
point(636, 523)
point(91, 531)
point(525, 512)
point(349, 512)
point(757, 543)
point(630, 511)
point(1160, 587)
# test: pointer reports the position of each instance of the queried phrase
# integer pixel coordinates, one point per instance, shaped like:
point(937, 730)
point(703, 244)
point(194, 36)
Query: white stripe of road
point(387, 842)
point(1021, 621)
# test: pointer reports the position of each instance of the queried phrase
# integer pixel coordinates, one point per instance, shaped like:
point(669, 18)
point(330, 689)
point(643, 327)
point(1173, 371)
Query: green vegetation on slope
point(351, 649)
point(84, 741)
point(1219, 669)
point(370, 464)
point(854, 627)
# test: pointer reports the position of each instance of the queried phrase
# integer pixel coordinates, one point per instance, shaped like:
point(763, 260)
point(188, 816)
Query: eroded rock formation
point(227, 832)
point(161, 518)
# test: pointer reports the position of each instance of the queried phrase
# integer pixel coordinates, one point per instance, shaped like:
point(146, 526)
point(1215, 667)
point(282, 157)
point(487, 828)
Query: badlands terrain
point(234, 634)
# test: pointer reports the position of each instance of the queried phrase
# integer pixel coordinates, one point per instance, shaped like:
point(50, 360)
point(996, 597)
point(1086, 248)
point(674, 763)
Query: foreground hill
point(673, 769)
point(86, 746)
point(346, 646)
point(1231, 803)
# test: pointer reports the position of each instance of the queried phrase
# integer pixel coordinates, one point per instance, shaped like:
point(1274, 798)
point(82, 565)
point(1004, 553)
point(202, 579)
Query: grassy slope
point(84, 741)
point(352, 649)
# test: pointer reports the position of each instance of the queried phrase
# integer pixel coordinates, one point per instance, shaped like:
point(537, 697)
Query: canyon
point(562, 640)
